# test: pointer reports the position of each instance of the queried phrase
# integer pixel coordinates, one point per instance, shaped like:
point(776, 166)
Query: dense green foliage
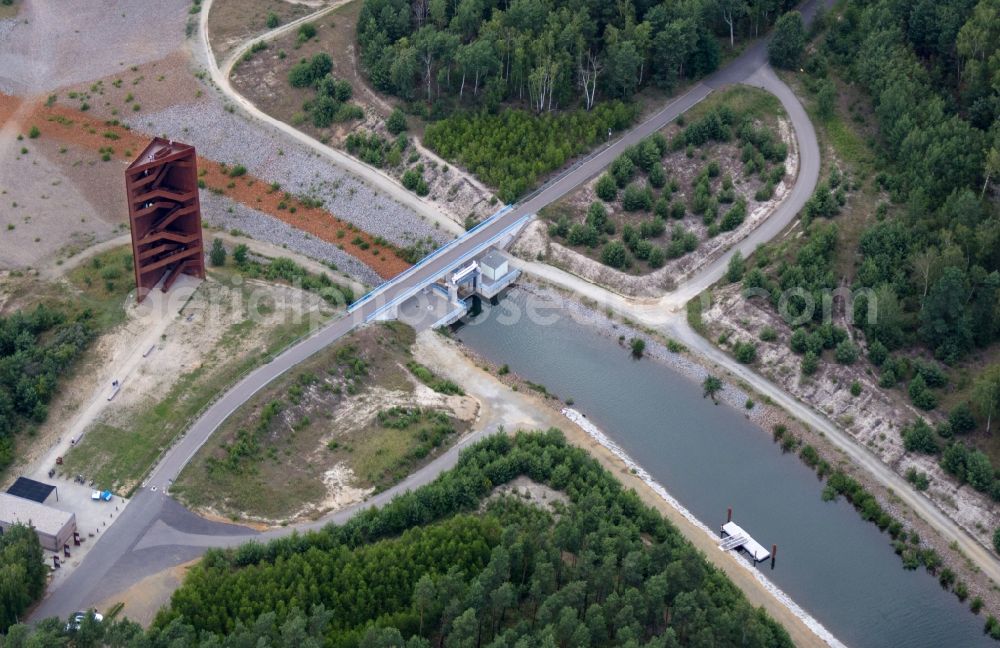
point(37, 347)
point(435, 568)
point(931, 69)
point(556, 54)
point(329, 105)
point(23, 573)
point(512, 149)
point(285, 270)
point(785, 48)
point(509, 60)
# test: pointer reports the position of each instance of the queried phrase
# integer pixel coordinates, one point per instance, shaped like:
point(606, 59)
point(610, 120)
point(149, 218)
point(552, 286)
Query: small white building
point(53, 527)
point(494, 266)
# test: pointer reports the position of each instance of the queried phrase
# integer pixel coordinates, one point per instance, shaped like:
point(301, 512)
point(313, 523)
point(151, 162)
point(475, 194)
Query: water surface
point(839, 568)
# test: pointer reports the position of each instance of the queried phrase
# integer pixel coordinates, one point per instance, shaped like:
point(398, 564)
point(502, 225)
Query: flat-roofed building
point(53, 527)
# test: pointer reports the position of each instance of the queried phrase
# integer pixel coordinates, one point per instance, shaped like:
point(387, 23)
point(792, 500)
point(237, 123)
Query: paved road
point(151, 534)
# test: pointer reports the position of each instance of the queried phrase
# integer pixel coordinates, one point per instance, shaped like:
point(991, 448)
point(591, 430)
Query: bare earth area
point(350, 421)
point(231, 22)
point(224, 328)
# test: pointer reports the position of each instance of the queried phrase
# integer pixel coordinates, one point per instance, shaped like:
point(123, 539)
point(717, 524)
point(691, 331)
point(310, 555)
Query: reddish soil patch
point(8, 106)
point(118, 142)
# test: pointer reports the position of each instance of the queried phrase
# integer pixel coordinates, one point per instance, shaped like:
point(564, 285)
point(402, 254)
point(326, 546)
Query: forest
point(23, 573)
point(507, 63)
point(449, 565)
point(37, 347)
point(557, 54)
point(929, 259)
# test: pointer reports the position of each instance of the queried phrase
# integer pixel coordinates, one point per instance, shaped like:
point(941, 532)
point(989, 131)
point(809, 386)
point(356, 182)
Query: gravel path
point(228, 215)
point(232, 138)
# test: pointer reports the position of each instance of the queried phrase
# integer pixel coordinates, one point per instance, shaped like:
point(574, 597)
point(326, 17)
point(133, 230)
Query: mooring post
point(774, 553)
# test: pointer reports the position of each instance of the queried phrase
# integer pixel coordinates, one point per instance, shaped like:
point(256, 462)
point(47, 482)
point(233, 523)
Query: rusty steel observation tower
point(161, 186)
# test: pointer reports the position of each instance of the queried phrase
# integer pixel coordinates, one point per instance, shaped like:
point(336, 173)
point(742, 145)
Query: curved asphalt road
point(154, 532)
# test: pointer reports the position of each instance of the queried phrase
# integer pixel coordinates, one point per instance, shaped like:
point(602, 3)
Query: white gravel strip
point(228, 214)
point(233, 139)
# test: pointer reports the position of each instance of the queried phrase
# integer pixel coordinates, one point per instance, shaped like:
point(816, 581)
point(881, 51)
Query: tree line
point(23, 573)
point(548, 55)
point(37, 347)
point(936, 257)
point(449, 565)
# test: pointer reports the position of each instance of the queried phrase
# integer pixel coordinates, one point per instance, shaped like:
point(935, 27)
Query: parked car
point(77, 619)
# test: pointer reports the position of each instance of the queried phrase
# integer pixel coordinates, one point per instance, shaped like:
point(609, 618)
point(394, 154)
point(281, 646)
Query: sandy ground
point(96, 190)
point(39, 56)
point(145, 598)
point(44, 209)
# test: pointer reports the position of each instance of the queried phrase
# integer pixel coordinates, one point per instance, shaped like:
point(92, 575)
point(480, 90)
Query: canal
point(840, 569)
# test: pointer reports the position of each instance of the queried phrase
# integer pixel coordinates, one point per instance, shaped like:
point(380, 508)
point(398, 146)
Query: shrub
point(919, 437)
point(396, 122)
point(615, 255)
point(34, 132)
point(961, 420)
point(768, 334)
point(799, 340)
point(638, 346)
point(657, 176)
point(217, 255)
point(745, 352)
point(597, 217)
point(307, 31)
point(656, 257)
point(855, 388)
point(622, 170)
point(810, 363)
point(785, 48)
point(606, 188)
point(307, 72)
point(919, 480)
point(272, 20)
point(921, 396)
point(240, 253)
point(636, 198)
point(846, 353)
point(877, 353)
point(734, 272)
point(734, 217)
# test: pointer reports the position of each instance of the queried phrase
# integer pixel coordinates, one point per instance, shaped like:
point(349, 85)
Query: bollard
point(774, 553)
point(729, 515)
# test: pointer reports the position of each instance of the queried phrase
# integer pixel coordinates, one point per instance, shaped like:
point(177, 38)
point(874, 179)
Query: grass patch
point(269, 460)
point(118, 457)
